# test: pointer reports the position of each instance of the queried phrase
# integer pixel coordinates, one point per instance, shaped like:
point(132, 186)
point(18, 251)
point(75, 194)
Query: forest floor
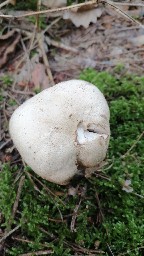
point(110, 50)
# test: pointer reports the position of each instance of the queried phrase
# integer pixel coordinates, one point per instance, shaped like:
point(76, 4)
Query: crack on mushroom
point(86, 133)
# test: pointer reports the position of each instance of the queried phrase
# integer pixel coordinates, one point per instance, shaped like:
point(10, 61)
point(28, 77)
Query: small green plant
point(110, 214)
point(119, 68)
point(12, 102)
point(1, 98)
point(6, 80)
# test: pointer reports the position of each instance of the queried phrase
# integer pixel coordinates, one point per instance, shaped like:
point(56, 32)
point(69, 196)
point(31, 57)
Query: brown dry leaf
point(33, 73)
point(137, 41)
point(81, 17)
point(8, 44)
point(39, 77)
point(126, 186)
point(82, 38)
point(72, 191)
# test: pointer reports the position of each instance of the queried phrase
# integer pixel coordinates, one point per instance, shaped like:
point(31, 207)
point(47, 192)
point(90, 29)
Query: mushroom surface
point(62, 129)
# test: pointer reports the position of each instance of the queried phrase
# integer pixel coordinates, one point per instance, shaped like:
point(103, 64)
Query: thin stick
point(27, 241)
point(112, 4)
point(128, 4)
point(86, 251)
point(110, 250)
point(48, 190)
point(37, 253)
point(93, 2)
point(72, 226)
point(23, 92)
point(5, 3)
point(60, 45)
point(100, 209)
point(50, 10)
point(37, 17)
point(99, 205)
point(4, 144)
point(15, 206)
point(134, 144)
point(9, 233)
point(45, 59)
point(50, 25)
point(31, 180)
point(125, 253)
point(136, 194)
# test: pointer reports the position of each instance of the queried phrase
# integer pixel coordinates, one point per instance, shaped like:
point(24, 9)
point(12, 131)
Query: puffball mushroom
point(62, 129)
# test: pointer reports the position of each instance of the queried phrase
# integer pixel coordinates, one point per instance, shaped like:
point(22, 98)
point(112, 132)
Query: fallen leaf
point(39, 77)
point(83, 18)
point(33, 74)
point(8, 43)
point(72, 191)
point(126, 186)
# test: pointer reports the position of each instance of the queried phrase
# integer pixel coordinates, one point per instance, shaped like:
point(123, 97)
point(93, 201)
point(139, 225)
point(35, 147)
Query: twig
point(75, 213)
point(51, 10)
point(72, 225)
point(45, 59)
point(50, 25)
point(31, 180)
point(99, 205)
point(57, 220)
point(15, 206)
point(13, 98)
point(92, 2)
point(4, 144)
point(5, 3)
point(27, 241)
point(128, 4)
point(37, 253)
point(37, 16)
point(137, 195)
point(23, 92)
point(125, 253)
point(46, 232)
point(9, 233)
point(111, 253)
point(86, 251)
point(112, 4)
point(102, 215)
point(103, 177)
point(60, 45)
point(48, 190)
point(134, 144)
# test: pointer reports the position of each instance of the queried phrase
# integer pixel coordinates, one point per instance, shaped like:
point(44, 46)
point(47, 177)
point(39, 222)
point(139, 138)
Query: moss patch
point(108, 217)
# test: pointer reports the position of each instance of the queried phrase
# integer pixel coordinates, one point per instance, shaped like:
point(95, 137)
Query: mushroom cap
point(62, 128)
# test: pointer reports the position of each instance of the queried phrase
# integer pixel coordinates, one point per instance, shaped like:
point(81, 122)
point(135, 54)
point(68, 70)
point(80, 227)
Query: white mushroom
point(62, 129)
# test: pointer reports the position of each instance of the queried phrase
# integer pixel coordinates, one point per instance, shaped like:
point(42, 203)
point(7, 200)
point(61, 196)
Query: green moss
point(45, 215)
point(6, 81)
point(26, 5)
